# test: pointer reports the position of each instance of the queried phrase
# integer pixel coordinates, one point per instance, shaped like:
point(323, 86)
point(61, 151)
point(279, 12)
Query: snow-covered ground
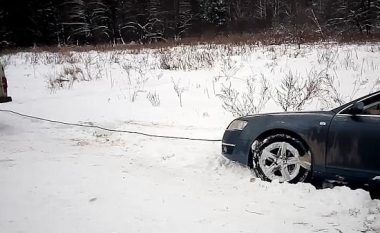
point(58, 178)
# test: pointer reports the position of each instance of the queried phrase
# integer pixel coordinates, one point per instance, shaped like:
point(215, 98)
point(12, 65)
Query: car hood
point(306, 113)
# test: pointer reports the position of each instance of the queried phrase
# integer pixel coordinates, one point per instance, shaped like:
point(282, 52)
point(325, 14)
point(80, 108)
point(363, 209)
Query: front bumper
point(234, 147)
point(227, 148)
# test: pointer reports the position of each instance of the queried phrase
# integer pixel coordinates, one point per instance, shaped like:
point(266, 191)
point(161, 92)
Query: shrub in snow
point(153, 98)
point(186, 58)
point(136, 73)
point(92, 67)
point(229, 67)
point(247, 103)
point(295, 92)
point(178, 90)
point(66, 78)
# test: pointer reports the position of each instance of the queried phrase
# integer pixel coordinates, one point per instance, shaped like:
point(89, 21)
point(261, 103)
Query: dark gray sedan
point(342, 144)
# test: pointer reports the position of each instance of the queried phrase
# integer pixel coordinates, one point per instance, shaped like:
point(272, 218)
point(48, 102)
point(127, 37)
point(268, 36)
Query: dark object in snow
point(4, 99)
point(342, 144)
point(3, 87)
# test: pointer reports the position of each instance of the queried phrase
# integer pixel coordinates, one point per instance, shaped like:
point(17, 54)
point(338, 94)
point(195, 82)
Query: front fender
point(312, 129)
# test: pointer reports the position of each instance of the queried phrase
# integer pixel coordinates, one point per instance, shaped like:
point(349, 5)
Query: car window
point(371, 106)
point(372, 109)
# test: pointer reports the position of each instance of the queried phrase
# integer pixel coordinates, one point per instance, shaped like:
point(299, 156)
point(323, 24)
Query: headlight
point(237, 125)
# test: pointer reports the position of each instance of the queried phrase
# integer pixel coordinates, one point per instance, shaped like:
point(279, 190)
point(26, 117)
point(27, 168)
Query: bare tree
point(250, 102)
point(261, 9)
point(362, 15)
point(294, 92)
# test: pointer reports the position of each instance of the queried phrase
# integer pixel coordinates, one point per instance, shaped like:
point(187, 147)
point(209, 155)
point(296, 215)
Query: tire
point(281, 157)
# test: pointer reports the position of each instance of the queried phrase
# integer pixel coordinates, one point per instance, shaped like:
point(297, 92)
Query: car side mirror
point(357, 108)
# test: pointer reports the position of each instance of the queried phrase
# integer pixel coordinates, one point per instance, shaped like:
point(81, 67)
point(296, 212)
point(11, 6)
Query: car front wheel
point(281, 157)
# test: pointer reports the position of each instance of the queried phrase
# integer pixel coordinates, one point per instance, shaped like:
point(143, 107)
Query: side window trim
point(360, 115)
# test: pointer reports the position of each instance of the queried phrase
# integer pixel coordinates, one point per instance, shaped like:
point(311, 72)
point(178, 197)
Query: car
point(3, 87)
point(341, 145)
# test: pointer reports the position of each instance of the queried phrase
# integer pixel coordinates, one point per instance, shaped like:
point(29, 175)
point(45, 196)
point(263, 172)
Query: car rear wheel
point(281, 157)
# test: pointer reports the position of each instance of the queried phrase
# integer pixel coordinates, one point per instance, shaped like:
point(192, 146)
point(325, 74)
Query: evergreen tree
point(47, 22)
point(214, 12)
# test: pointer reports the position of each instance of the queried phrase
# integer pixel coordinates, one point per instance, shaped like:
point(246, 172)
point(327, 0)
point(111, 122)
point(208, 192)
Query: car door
point(353, 145)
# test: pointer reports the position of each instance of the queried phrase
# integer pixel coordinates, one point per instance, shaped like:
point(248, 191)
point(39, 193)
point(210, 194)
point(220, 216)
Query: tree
point(74, 21)
point(98, 20)
point(362, 15)
point(214, 12)
point(184, 17)
point(86, 21)
point(45, 22)
point(4, 32)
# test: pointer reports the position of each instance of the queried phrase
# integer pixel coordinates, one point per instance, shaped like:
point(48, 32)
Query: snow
point(58, 178)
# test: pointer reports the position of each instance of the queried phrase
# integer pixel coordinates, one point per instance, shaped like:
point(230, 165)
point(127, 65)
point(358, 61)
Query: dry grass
point(264, 38)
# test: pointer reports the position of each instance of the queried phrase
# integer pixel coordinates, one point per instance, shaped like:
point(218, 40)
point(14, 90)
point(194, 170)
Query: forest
point(78, 22)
